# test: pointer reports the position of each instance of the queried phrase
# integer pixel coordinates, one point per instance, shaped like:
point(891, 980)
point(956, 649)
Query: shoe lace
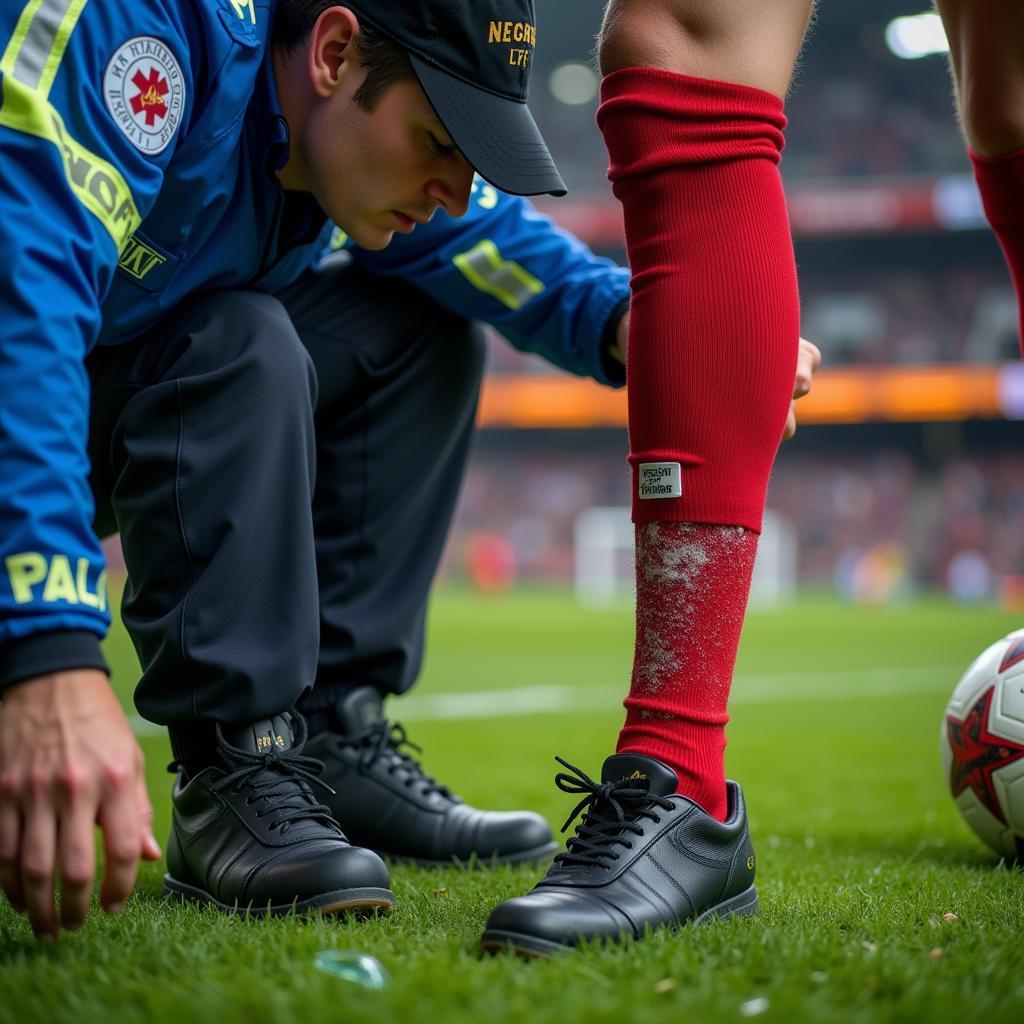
point(281, 778)
point(613, 813)
point(383, 741)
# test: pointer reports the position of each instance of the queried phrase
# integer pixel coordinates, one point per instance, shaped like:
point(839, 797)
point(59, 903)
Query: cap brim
point(498, 136)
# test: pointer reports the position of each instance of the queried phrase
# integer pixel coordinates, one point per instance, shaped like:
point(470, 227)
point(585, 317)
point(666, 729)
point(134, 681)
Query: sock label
point(660, 480)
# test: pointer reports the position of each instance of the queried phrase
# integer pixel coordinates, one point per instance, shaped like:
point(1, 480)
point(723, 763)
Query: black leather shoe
point(642, 857)
point(251, 837)
point(386, 802)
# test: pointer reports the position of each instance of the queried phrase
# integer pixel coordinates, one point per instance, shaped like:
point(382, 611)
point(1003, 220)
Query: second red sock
point(1001, 183)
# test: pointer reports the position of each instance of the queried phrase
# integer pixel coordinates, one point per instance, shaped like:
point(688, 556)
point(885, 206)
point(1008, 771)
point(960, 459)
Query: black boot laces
point(383, 742)
point(280, 778)
point(613, 813)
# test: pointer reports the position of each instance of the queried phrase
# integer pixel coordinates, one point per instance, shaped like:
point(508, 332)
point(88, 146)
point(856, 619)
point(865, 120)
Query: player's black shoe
point(386, 802)
point(249, 835)
point(642, 857)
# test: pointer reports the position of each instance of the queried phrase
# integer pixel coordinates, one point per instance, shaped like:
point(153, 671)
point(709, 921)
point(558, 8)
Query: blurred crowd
point(848, 120)
point(878, 526)
point(905, 316)
point(911, 316)
point(872, 526)
point(850, 115)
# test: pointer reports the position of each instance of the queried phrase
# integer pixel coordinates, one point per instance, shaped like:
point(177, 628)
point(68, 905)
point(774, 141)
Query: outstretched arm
point(75, 187)
point(508, 265)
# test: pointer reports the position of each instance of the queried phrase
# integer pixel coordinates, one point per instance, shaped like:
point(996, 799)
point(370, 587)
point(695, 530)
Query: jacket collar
point(275, 140)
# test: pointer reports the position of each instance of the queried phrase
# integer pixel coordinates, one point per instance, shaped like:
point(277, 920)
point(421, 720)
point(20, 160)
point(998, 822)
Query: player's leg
point(986, 42)
point(692, 115)
point(399, 381)
point(986, 49)
point(202, 450)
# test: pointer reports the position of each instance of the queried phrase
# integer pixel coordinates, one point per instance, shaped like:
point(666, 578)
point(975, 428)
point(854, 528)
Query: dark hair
point(386, 62)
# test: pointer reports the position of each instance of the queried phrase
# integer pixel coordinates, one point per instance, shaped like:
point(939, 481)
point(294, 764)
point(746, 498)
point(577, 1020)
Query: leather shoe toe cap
point(510, 832)
point(327, 867)
point(563, 917)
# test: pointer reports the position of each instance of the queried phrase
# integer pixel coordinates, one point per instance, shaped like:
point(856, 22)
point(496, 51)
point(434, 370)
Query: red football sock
point(714, 325)
point(1001, 183)
point(692, 582)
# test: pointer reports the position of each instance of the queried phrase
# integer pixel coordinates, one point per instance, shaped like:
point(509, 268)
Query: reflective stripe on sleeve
point(97, 185)
point(40, 38)
point(28, 68)
point(488, 271)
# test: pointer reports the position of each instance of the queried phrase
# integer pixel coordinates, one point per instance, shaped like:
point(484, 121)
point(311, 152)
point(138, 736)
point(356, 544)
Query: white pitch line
point(755, 688)
point(766, 688)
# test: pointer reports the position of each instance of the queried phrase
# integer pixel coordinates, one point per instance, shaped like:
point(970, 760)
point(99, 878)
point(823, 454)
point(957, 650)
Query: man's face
point(381, 171)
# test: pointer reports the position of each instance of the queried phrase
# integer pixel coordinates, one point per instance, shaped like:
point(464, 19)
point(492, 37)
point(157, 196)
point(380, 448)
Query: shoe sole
point(361, 902)
point(538, 855)
point(531, 947)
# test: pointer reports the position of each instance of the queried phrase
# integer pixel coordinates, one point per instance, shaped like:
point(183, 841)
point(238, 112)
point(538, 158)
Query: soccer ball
point(982, 742)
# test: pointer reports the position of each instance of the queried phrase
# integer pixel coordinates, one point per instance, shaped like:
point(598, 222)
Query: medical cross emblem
point(145, 92)
point(149, 100)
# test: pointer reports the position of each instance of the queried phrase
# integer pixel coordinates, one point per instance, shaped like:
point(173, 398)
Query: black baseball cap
point(473, 59)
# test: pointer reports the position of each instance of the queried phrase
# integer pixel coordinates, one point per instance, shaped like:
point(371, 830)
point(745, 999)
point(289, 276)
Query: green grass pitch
point(862, 856)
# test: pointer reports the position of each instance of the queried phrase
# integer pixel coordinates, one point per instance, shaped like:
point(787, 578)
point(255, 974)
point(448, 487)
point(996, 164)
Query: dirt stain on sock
point(679, 634)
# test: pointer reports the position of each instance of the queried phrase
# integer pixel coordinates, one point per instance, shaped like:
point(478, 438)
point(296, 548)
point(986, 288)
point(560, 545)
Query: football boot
point(248, 834)
point(386, 802)
point(642, 857)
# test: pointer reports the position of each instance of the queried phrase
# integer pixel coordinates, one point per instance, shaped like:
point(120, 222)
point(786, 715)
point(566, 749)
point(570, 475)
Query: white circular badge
point(145, 93)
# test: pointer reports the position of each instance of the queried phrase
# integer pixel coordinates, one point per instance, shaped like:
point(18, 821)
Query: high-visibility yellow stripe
point(60, 44)
point(487, 270)
point(28, 69)
point(37, 45)
point(18, 37)
point(97, 185)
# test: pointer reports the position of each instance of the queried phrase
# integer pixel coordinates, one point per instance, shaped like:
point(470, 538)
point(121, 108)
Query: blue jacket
point(137, 149)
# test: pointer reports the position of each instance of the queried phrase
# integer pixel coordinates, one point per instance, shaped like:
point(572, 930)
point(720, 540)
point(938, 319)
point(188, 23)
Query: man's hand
point(807, 362)
point(69, 761)
point(621, 346)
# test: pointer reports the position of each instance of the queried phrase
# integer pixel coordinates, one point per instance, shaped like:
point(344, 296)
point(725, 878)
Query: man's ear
point(332, 49)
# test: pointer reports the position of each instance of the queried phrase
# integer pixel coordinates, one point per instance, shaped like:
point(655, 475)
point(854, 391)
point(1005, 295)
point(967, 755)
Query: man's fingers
point(790, 424)
point(38, 850)
point(150, 847)
point(118, 818)
point(10, 867)
point(808, 360)
point(76, 855)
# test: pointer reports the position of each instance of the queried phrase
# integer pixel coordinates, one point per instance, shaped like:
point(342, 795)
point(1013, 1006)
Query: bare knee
point(993, 119)
point(745, 41)
point(988, 66)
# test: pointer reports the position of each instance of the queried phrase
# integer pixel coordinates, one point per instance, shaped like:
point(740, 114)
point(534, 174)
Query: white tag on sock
point(660, 480)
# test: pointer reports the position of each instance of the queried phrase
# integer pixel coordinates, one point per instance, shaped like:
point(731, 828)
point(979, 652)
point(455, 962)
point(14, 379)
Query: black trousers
point(283, 472)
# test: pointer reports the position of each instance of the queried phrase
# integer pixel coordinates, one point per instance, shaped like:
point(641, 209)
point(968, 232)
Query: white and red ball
point(982, 743)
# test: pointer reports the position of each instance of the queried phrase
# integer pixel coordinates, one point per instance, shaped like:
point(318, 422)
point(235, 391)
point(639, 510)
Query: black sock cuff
point(321, 697)
point(194, 745)
point(317, 706)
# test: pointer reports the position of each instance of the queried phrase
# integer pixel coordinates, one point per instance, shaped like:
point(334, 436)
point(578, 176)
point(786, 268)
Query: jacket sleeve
point(507, 264)
point(75, 187)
